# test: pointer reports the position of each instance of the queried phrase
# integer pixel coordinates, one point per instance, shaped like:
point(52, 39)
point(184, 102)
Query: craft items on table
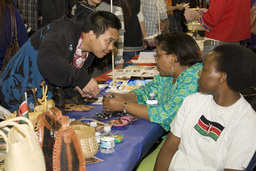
point(87, 139)
point(86, 121)
point(118, 138)
point(23, 151)
point(90, 100)
point(4, 113)
point(76, 107)
point(42, 104)
point(126, 85)
point(123, 121)
point(47, 125)
point(106, 115)
point(67, 152)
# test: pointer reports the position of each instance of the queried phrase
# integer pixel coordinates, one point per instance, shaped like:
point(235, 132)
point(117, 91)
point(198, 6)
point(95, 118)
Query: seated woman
point(178, 63)
point(216, 128)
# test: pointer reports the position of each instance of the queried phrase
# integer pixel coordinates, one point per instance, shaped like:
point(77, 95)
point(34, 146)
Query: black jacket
point(48, 56)
point(83, 10)
point(56, 51)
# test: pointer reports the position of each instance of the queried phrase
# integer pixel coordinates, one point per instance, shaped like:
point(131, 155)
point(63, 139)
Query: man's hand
point(179, 7)
point(191, 15)
point(202, 10)
point(90, 90)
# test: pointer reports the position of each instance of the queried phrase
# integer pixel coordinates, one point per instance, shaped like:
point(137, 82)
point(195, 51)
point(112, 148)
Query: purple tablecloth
point(138, 138)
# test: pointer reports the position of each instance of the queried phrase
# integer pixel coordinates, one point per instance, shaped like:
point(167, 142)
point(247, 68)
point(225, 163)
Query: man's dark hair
point(182, 45)
point(239, 63)
point(100, 21)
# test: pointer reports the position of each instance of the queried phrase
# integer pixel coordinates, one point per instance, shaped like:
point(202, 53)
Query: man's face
point(102, 45)
point(209, 76)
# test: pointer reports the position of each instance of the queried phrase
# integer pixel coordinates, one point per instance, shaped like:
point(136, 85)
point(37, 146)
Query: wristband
point(124, 111)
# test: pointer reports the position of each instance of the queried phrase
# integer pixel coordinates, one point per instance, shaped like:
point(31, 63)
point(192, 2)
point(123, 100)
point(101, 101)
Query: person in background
point(5, 31)
point(150, 10)
point(178, 63)
point(172, 22)
point(122, 9)
point(60, 54)
point(133, 40)
point(29, 11)
point(224, 22)
point(85, 7)
point(178, 14)
point(52, 10)
point(215, 129)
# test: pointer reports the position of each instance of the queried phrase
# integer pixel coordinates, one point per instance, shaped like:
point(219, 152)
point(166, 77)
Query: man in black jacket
point(60, 54)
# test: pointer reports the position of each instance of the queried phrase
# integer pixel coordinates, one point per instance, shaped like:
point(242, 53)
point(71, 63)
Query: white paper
point(149, 71)
point(146, 56)
point(147, 61)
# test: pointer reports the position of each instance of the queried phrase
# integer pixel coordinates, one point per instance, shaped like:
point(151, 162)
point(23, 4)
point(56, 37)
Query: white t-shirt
point(213, 137)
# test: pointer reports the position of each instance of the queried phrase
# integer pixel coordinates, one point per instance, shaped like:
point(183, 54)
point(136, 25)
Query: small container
point(152, 101)
point(107, 144)
point(97, 131)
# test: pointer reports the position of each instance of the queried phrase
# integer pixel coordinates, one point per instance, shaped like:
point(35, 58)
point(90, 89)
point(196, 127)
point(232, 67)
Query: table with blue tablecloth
point(138, 138)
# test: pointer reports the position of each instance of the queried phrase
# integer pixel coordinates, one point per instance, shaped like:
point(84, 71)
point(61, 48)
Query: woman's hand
point(113, 103)
point(119, 95)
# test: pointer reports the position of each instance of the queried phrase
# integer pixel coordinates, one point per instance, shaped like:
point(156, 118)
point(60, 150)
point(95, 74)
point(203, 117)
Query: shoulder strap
point(13, 22)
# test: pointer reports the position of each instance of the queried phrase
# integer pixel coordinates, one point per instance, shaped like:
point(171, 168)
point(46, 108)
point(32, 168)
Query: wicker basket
point(87, 140)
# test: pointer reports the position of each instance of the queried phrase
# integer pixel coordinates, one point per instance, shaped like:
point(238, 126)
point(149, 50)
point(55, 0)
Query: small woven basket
point(87, 140)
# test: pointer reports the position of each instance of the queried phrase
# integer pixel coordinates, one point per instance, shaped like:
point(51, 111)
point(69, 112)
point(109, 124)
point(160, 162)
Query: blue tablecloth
point(138, 138)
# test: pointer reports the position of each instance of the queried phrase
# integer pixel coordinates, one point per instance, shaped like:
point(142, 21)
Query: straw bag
point(23, 150)
point(87, 140)
point(14, 44)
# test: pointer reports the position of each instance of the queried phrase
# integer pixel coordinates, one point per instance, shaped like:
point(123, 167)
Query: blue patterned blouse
point(170, 96)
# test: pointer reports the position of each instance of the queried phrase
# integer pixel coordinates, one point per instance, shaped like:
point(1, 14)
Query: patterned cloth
point(78, 59)
point(149, 10)
point(170, 96)
point(28, 9)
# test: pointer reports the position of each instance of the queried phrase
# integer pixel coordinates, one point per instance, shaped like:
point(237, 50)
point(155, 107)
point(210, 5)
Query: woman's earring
point(172, 70)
